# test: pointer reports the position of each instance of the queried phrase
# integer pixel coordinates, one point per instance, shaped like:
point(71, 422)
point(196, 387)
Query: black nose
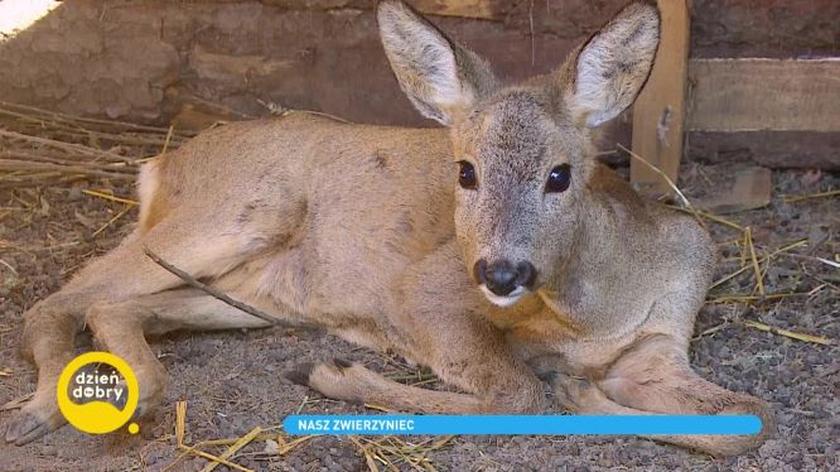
point(502, 278)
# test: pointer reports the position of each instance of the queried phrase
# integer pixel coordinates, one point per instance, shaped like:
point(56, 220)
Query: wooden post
point(659, 112)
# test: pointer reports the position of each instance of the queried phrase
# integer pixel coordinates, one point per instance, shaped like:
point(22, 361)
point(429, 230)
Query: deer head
point(524, 152)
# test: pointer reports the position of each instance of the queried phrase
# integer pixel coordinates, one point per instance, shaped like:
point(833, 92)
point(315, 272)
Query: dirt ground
point(232, 381)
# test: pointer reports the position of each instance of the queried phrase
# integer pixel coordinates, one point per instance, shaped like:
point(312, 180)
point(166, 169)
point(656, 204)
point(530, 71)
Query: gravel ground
point(232, 380)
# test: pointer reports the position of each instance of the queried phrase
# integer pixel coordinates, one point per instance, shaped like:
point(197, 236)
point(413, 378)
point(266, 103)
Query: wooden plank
point(659, 112)
point(765, 94)
point(774, 149)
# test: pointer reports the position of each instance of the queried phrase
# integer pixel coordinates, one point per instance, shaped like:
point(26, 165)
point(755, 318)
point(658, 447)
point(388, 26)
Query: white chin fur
point(505, 301)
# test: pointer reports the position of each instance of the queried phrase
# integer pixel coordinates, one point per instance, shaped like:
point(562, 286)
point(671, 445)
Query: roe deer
point(492, 252)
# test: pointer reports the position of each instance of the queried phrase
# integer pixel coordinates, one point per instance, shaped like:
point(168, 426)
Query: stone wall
point(148, 60)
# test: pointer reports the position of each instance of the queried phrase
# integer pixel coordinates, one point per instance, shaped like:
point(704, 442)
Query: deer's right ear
point(613, 66)
point(440, 78)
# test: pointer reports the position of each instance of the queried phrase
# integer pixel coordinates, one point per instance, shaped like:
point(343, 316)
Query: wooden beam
point(765, 94)
point(774, 149)
point(481, 9)
point(659, 112)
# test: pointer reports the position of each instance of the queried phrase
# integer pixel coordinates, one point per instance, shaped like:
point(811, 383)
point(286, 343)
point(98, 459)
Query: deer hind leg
point(121, 328)
point(655, 376)
point(583, 396)
point(51, 325)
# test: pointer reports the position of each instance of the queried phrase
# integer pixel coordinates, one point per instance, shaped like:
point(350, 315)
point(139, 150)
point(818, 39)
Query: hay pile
point(40, 147)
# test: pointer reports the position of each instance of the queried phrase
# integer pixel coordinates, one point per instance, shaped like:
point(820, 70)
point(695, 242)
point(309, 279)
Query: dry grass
point(41, 150)
point(801, 198)
point(790, 334)
point(751, 261)
point(659, 172)
point(39, 147)
point(276, 444)
point(390, 452)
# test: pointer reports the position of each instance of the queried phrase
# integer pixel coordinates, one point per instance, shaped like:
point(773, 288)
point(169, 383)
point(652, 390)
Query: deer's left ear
point(610, 69)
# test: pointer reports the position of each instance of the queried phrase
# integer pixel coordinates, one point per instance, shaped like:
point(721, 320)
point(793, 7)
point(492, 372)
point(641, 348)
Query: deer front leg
point(355, 383)
point(470, 357)
point(436, 319)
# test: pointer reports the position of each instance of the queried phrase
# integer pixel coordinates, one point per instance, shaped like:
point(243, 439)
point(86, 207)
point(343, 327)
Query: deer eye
point(466, 175)
point(559, 179)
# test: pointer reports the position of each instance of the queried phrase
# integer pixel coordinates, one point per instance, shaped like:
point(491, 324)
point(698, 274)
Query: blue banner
point(522, 424)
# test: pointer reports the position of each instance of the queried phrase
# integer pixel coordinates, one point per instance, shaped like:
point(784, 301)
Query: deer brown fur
point(524, 259)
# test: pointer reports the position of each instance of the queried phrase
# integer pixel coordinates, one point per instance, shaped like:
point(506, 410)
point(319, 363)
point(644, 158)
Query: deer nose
point(501, 277)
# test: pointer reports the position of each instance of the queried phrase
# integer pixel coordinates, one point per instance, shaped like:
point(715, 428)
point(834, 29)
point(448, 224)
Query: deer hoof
point(300, 373)
point(29, 425)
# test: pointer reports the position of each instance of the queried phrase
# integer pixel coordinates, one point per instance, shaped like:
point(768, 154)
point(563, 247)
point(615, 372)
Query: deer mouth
point(503, 300)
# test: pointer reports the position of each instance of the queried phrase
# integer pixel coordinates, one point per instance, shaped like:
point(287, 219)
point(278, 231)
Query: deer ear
point(611, 68)
point(441, 78)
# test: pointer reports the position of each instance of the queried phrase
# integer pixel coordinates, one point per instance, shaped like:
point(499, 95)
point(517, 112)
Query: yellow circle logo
point(98, 393)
